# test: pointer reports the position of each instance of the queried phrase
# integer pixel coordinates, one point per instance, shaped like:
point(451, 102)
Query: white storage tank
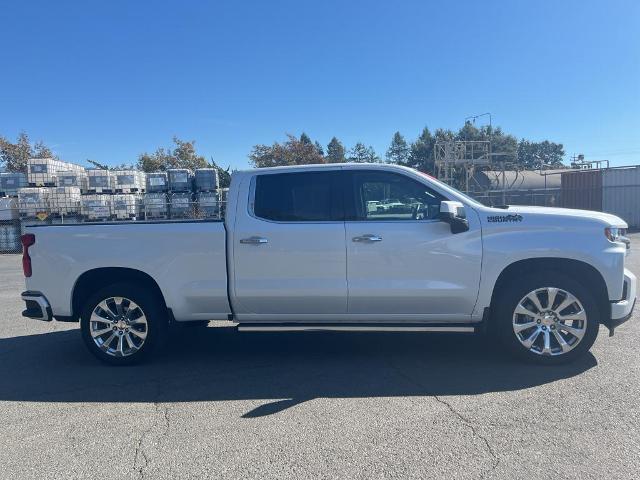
point(72, 178)
point(8, 209)
point(208, 204)
point(155, 205)
point(65, 200)
point(181, 205)
point(42, 172)
point(33, 201)
point(621, 194)
point(10, 182)
point(206, 180)
point(180, 180)
point(126, 206)
point(129, 181)
point(100, 181)
point(96, 207)
point(157, 182)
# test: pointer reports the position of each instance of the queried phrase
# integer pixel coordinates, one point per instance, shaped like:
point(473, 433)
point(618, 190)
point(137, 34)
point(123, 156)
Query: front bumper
point(37, 305)
point(622, 310)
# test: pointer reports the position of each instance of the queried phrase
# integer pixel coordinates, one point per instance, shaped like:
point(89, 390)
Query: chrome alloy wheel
point(118, 326)
point(549, 321)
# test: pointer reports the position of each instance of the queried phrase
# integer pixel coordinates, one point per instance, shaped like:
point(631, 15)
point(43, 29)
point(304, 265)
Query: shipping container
point(72, 178)
point(180, 180)
point(621, 194)
point(11, 182)
point(33, 201)
point(129, 181)
point(43, 172)
point(64, 201)
point(155, 205)
point(126, 206)
point(100, 181)
point(96, 206)
point(206, 180)
point(157, 182)
point(582, 189)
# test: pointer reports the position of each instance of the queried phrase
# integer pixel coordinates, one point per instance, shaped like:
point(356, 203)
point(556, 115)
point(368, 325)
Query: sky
point(107, 80)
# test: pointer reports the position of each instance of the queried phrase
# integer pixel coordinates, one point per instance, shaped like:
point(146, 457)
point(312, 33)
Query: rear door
point(289, 251)
point(401, 260)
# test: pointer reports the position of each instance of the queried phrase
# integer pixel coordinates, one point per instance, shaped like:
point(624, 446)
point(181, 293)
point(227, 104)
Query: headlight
point(615, 234)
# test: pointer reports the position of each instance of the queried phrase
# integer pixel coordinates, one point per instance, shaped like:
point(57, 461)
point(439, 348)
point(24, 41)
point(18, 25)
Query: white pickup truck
point(301, 249)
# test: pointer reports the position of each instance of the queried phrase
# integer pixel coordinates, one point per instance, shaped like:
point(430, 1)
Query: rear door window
point(299, 197)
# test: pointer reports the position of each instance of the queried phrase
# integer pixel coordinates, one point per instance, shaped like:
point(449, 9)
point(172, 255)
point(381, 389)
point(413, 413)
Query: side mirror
point(453, 213)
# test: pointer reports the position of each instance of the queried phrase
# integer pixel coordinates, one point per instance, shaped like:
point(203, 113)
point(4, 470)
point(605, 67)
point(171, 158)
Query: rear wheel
point(123, 323)
point(546, 318)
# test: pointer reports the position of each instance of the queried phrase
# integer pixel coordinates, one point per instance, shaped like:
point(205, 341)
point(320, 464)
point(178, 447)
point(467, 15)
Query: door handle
point(368, 238)
point(254, 241)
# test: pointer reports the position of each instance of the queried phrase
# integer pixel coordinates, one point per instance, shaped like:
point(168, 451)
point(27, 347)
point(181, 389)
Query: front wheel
point(546, 319)
point(122, 323)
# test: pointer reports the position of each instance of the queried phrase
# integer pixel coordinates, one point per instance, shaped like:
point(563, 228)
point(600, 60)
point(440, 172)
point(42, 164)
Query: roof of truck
point(318, 166)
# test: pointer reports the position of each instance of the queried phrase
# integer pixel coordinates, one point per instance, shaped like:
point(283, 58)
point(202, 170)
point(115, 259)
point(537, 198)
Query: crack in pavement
point(141, 459)
point(464, 420)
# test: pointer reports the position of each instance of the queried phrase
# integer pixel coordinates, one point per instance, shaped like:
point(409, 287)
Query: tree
point(14, 156)
point(304, 138)
point(398, 151)
point(359, 153)
point(335, 151)
point(100, 166)
point(534, 155)
point(292, 152)
point(183, 155)
point(421, 152)
point(223, 175)
point(319, 148)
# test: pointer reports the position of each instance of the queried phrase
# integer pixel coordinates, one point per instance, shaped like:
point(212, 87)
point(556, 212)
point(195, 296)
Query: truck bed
point(187, 259)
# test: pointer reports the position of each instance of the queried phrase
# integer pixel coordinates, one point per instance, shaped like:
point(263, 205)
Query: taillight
point(27, 240)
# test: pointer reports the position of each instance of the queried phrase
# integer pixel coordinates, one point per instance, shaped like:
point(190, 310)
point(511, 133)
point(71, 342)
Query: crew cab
point(303, 248)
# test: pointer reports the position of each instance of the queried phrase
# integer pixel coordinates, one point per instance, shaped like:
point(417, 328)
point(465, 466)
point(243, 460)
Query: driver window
point(385, 196)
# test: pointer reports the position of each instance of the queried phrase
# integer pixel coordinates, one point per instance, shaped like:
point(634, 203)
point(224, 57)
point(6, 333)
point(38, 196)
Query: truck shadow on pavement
point(283, 369)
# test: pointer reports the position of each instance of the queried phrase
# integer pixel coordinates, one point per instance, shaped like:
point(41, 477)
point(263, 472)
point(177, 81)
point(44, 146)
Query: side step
point(354, 327)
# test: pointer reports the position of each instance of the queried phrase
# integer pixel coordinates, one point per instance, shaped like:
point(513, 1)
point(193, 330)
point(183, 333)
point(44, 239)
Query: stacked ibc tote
point(180, 192)
point(207, 185)
point(155, 198)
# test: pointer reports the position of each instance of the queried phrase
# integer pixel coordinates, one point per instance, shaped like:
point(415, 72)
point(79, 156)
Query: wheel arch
point(585, 273)
point(93, 280)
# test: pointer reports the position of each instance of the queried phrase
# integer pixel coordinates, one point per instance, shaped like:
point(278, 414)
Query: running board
point(257, 327)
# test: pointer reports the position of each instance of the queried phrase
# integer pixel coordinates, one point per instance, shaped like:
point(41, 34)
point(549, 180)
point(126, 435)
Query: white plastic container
point(10, 236)
point(8, 209)
point(181, 205)
point(180, 180)
point(33, 201)
point(126, 206)
point(65, 200)
point(129, 181)
point(155, 205)
point(96, 206)
point(72, 178)
point(208, 204)
point(43, 171)
point(11, 182)
point(157, 182)
point(100, 181)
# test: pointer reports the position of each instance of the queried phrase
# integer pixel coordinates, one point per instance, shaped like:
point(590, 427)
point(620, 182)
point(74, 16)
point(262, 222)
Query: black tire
point(153, 310)
point(501, 326)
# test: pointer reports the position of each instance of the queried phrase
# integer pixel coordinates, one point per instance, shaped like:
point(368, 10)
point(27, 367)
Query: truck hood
point(570, 212)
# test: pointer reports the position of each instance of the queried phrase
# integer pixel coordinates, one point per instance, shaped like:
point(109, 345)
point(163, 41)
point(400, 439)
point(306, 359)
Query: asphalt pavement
point(223, 404)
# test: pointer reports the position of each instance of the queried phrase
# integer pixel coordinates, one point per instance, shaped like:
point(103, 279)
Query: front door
point(289, 251)
point(401, 260)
